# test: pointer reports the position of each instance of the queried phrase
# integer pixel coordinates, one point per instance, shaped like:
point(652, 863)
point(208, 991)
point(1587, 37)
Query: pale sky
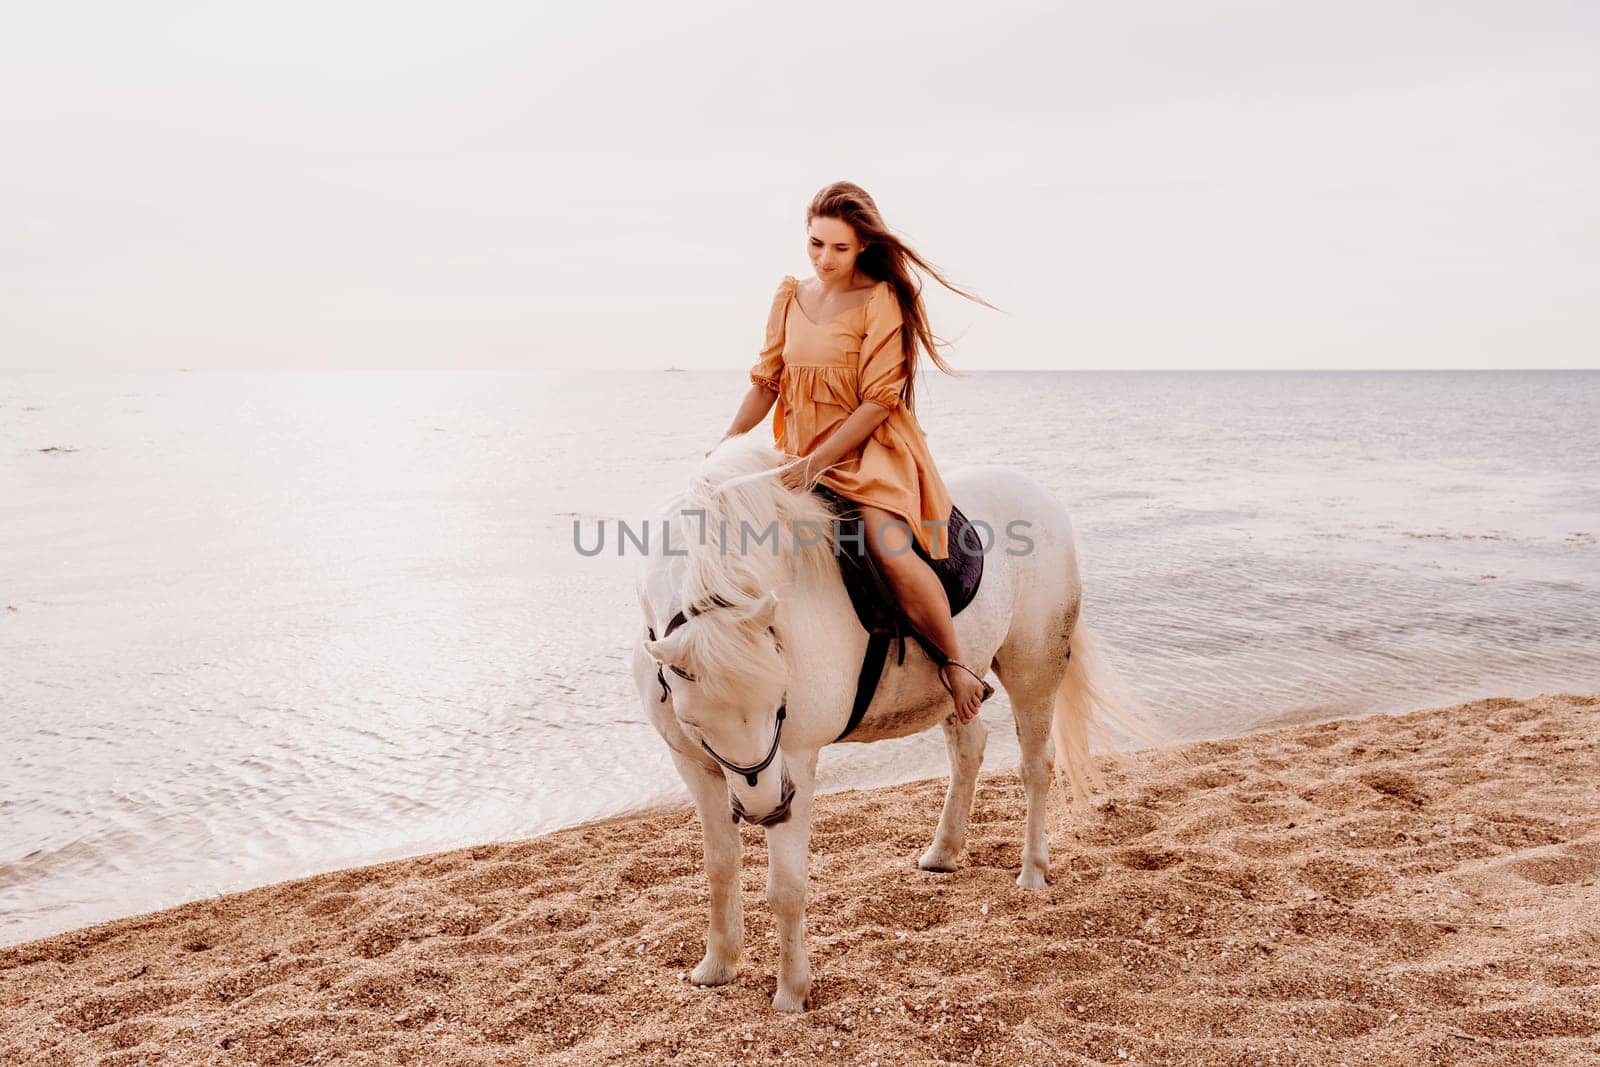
point(529, 184)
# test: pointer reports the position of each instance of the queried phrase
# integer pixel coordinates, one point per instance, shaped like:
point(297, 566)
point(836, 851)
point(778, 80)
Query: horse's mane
point(735, 498)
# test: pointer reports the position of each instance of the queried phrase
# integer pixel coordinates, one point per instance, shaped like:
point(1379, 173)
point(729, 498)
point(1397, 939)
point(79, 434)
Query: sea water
point(255, 626)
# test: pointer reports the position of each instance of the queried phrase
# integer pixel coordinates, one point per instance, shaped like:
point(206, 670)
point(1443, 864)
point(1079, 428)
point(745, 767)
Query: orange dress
point(823, 371)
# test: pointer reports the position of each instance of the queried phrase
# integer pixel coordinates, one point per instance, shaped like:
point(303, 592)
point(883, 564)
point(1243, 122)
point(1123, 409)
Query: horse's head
point(724, 667)
point(741, 533)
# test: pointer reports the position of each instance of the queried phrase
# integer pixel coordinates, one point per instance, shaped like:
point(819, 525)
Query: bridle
point(754, 769)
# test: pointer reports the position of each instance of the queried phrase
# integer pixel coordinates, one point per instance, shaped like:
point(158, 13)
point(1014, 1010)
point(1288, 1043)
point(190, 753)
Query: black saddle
point(878, 609)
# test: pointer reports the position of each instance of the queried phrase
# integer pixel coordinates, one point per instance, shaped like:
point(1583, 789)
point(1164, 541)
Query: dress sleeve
point(769, 365)
point(883, 360)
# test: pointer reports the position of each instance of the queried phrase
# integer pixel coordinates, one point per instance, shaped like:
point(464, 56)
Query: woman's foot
point(966, 689)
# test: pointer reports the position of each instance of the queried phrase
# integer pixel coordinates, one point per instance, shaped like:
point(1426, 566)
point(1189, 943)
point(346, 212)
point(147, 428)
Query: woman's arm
point(848, 436)
point(758, 400)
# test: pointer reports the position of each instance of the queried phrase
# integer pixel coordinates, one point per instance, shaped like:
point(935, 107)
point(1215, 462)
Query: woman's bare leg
point(922, 597)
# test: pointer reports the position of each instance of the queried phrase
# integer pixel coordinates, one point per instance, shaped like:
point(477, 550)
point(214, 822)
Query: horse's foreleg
point(725, 933)
point(966, 744)
point(788, 861)
point(1033, 737)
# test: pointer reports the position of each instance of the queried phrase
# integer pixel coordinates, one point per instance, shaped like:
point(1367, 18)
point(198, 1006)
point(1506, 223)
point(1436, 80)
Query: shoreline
point(1001, 754)
point(1419, 885)
point(1000, 748)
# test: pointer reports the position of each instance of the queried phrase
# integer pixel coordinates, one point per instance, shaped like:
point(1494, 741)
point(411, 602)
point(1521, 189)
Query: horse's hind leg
point(725, 933)
point(1033, 738)
point(1032, 692)
point(965, 744)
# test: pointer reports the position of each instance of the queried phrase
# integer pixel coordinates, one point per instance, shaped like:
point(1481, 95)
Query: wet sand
point(1417, 888)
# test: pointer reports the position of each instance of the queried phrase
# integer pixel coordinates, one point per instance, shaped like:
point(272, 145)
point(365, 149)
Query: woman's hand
point(800, 476)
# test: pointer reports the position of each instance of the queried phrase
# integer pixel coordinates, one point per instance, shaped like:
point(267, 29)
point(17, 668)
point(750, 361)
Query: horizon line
point(741, 370)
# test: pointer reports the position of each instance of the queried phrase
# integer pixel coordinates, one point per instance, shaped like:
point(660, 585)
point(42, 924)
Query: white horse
point(747, 688)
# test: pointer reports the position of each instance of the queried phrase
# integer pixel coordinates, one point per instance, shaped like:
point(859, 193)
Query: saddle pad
point(876, 606)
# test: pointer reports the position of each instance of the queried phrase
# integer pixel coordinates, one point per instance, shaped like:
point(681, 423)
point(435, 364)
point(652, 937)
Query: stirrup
point(988, 690)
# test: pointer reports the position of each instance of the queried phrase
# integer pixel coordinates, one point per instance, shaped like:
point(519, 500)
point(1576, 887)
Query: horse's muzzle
point(777, 815)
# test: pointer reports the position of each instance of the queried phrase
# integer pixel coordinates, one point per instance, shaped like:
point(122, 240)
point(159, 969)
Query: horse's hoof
point(1032, 878)
point(939, 859)
point(713, 972)
point(782, 1001)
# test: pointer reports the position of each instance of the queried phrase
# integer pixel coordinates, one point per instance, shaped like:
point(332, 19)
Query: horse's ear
point(763, 611)
point(666, 649)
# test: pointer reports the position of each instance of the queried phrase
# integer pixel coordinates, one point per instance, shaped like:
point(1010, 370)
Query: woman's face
point(833, 248)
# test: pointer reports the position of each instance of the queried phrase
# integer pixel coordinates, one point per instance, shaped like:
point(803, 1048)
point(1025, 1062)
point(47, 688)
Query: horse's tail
point(1091, 701)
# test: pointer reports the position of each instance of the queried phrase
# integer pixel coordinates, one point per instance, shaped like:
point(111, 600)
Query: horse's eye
point(680, 672)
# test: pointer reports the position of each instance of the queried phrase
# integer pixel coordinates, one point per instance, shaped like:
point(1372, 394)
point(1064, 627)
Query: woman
point(840, 362)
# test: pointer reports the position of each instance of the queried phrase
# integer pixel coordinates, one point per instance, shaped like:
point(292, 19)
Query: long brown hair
point(885, 257)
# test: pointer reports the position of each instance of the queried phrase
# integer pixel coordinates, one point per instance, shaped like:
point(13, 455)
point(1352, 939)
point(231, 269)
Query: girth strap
point(867, 681)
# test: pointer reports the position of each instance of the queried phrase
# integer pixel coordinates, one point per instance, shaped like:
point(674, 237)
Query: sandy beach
point(1416, 888)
